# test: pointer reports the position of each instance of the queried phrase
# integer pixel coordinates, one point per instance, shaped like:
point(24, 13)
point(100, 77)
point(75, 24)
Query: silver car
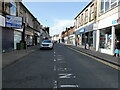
point(46, 44)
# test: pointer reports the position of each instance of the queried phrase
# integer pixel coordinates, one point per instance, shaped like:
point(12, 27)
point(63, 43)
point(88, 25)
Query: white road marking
point(68, 86)
point(54, 60)
point(55, 84)
point(65, 75)
point(54, 68)
point(64, 69)
point(59, 59)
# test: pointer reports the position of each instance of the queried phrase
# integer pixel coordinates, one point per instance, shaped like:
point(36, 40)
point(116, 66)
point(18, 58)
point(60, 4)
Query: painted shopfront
point(107, 34)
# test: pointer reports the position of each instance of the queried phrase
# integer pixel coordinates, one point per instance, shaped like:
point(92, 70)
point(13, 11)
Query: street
point(59, 68)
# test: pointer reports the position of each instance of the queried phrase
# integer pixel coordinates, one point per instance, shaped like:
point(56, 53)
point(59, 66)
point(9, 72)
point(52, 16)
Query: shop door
point(17, 38)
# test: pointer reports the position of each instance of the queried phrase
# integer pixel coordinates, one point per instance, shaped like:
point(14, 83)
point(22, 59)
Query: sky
point(56, 15)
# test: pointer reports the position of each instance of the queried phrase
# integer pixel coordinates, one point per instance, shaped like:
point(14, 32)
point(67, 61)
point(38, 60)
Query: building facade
point(98, 24)
point(20, 25)
point(84, 22)
point(107, 25)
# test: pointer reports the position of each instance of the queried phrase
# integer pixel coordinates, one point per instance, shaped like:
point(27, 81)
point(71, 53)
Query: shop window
point(107, 5)
point(105, 41)
point(113, 3)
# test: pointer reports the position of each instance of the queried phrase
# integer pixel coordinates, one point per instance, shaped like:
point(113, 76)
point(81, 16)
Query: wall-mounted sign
point(12, 21)
point(116, 21)
point(2, 21)
point(82, 30)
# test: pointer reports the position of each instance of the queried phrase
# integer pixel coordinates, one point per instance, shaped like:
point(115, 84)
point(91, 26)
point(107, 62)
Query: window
point(113, 3)
point(92, 12)
point(79, 21)
point(107, 5)
point(118, 1)
point(13, 8)
point(82, 19)
point(102, 6)
point(86, 16)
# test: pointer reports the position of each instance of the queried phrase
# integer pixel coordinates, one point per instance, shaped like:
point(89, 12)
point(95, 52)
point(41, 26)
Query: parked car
point(46, 44)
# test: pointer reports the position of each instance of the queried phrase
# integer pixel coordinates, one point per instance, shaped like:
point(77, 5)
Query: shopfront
point(8, 32)
point(71, 39)
point(90, 36)
point(107, 34)
point(80, 36)
point(17, 37)
point(2, 24)
point(36, 37)
point(29, 36)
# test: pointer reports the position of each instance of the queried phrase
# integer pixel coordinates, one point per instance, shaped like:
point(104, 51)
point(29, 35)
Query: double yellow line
point(104, 62)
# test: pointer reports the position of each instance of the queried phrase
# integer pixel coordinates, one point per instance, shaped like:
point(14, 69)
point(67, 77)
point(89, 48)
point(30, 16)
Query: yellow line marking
point(104, 62)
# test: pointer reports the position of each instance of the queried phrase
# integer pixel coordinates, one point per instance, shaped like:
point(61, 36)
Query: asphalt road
point(58, 68)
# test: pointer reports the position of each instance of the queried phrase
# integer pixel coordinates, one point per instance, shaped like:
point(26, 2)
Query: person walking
point(116, 52)
point(117, 47)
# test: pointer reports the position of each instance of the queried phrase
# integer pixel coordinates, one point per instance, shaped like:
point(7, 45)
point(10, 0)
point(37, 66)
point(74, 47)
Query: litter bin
point(22, 45)
point(18, 46)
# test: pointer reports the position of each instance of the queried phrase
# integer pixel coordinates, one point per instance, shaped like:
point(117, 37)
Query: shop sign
point(116, 21)
point(12, 21)
point(2, 21)
point(89, 28)
point(82, 30)
point(21, 30)
point(95, 26)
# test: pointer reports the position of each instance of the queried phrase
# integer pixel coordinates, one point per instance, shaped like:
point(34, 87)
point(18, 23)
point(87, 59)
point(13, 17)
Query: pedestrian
point(116, 52)
point(78, 41)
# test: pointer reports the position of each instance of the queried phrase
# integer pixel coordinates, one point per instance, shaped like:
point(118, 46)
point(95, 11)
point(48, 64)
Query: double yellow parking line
point(104, 62)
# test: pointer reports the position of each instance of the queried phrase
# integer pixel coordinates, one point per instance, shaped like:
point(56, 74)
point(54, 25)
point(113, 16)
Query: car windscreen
point(46, 41)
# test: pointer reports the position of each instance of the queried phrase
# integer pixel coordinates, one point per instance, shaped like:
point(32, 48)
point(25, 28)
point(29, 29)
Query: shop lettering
point(116, 21)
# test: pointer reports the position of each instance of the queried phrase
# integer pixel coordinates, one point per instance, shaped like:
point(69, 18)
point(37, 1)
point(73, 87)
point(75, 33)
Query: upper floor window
point(13, 8)
point(102, 6)
point(107, 5)
point(113, 3)
point(118, 1)
point(86, 16)
point(79, 21)
point(82, 19)
point(92, 12)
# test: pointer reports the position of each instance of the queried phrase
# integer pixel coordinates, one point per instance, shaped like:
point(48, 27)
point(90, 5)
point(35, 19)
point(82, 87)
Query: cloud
point(60, 25)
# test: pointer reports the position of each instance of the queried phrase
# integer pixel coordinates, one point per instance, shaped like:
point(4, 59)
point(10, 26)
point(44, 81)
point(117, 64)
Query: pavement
point(11, 57)
point(102, 56)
